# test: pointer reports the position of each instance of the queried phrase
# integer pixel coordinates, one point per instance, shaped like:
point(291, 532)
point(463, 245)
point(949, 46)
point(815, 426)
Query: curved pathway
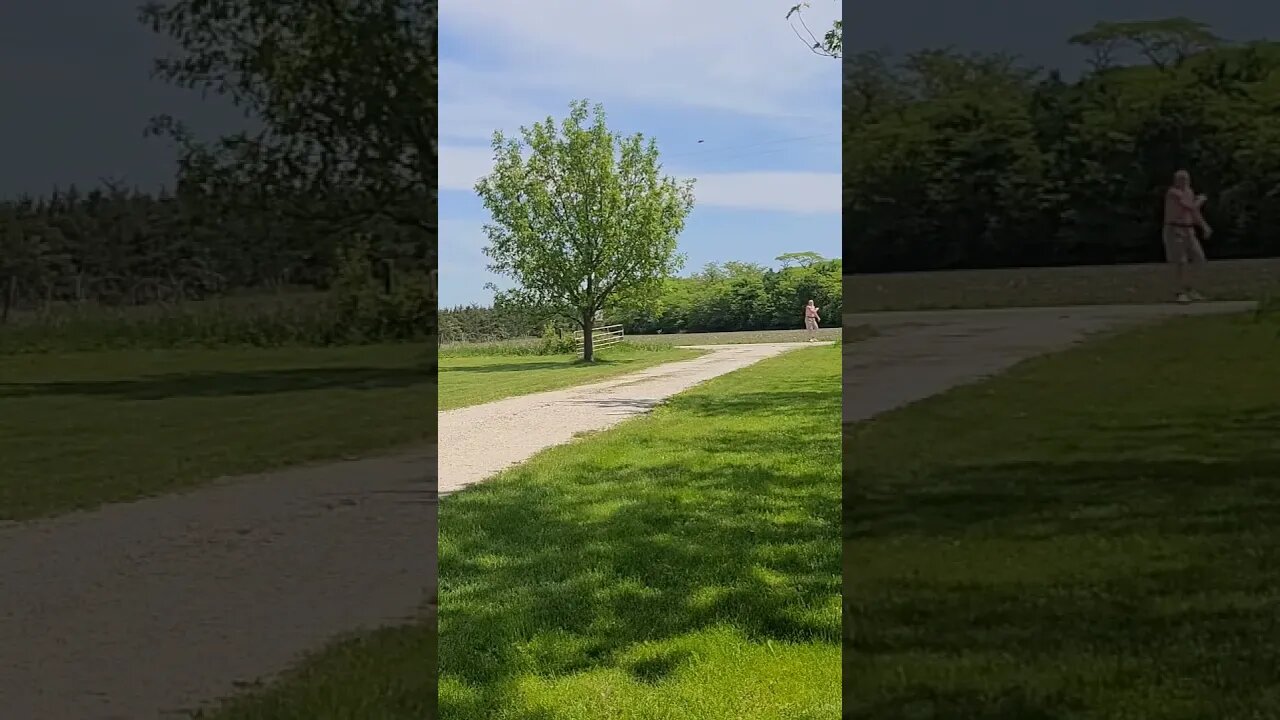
point(480, 441)
point(919, 354)
point(154, 608)
point(149, 609)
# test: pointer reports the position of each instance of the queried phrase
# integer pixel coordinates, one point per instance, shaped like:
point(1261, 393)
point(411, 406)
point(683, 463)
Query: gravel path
point(145, 610)
point(480, 441)
point(919, 354)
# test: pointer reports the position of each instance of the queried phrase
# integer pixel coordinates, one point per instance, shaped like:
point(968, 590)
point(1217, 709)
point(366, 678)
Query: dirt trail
point(480, 441)
point(919, 354)
point(150, 609)
point(146, 610)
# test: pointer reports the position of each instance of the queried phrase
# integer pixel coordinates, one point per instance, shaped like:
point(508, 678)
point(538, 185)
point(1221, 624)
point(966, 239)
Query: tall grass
point(264, 323)
point(356, 311)
point(525, 347)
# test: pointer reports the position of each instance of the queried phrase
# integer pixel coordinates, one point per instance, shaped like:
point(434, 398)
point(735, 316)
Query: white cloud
point(792, 192)
point(777, 191)
point(470, 112)
point(721, 54)
point(726, 55)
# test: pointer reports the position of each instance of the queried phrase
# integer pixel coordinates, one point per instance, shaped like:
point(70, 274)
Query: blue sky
point(729, 73)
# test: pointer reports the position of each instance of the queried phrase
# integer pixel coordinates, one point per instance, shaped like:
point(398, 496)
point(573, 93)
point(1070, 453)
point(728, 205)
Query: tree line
point(956, 160)
point(342, 161)
point(114, 247)
point(722, 297)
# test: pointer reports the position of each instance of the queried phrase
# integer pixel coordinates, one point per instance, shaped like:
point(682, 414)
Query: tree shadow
point(525, 366)
point(567, 575)
point(510, 367)
point(797, 403)
point(229, 384)
point(1156, 549)
point(926, 703)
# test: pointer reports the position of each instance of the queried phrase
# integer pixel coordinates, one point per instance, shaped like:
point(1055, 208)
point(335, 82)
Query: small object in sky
point(699, 141)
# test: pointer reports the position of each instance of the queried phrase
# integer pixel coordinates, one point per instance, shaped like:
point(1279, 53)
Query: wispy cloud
point(729, 72)
point(715, 54)
point(772, 191)
point(793, 192)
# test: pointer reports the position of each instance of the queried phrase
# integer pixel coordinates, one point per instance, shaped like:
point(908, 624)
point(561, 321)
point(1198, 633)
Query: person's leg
point(1195, 265)
point(1181, 281)
point(1175, 254)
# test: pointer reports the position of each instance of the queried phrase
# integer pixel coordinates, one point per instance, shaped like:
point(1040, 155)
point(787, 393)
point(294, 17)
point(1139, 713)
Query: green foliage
point(342, 96)
point(1162, 42)
point(477, 324)
point(357, 310)
point(555, 341)
point(739, 296)
point(726, 297)
point(831, 44)
point(368, 309)
point(963, 161)
point(581, 216)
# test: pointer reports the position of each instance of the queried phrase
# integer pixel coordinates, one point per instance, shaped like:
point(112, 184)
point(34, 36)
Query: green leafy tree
point(1163, 43)
point(719, 297)
point(831, 44)
point(980, 161)
point(582, 217)
point(803, 259)
point(342, 95)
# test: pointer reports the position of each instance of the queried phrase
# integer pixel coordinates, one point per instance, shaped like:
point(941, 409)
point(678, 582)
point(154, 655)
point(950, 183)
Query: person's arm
point(1204, 226)
point(1181, 198)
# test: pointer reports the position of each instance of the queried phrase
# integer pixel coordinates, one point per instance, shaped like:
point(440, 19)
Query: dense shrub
point(955, 161)
point(721, 298)
point(357, 309)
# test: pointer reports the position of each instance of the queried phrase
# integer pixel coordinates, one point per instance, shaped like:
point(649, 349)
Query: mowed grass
point(474, 379)
point(1051, 287)
point(826, 334)
point(1094, 535)
point(83, 429)
point(684, 565)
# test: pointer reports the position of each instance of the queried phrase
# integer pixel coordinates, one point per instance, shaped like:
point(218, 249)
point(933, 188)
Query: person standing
point(811, 320)
point(1182, 249)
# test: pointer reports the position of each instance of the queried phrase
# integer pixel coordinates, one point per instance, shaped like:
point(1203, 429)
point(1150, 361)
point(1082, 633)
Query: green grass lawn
point(82, 429)
point(1039, 287)
point(684, 565)
point(473, 379)
point(735, 338)
point(528, 346)
point(1094, 535)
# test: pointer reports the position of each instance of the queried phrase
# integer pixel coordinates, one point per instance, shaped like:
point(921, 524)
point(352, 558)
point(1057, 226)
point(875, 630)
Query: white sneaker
point(1195, 296)
point(1184, 298)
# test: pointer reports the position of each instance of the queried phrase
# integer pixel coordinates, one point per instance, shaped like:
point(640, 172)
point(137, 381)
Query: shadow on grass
point(925, 703)
point(227, 384)
point(1115, 572)
point(510, 367)
point(798, 402)
point(525, 366)
point(564, 572)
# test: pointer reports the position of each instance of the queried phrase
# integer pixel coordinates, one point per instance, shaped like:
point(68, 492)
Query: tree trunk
point(588, 329)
